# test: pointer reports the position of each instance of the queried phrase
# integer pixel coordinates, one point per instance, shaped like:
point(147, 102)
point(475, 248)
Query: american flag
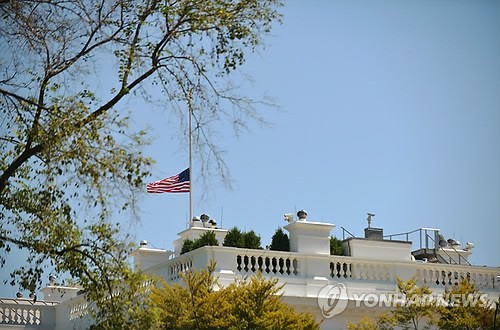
point(175, 184)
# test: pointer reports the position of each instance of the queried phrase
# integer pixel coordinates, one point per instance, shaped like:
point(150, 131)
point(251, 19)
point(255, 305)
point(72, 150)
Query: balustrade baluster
point(274, 263)
point(238, 263)
point(344, 269)
point(281, 263)
point(295, 264)
point(245, 262)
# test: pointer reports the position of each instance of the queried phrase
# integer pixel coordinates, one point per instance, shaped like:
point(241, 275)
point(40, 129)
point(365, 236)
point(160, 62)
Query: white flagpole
point(190, 106)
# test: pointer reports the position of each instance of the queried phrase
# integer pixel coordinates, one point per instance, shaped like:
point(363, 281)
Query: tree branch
point(18, 162)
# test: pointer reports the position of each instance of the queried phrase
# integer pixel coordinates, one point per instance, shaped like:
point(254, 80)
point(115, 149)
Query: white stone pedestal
point(310, 237)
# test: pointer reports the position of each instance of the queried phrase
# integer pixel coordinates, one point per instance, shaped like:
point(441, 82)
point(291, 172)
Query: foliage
point(470, 311)
point(336, 246)
point(411, 313)
point(364, 324)
point(68, 161)
point(206, 239)
point(251, 241)
point(234, 238)
point(132, 312)
point(384, 321)
point(203, 304)
point(187, 245)
point(463, 307)
point(280, 241)
point(245, 240)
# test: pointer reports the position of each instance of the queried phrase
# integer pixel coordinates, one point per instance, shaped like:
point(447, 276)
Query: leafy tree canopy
point(234, 238)
point(201, 303)
point(463, 309)
point(68, 160)
point(470, 313)
point(239, 239)
point(251, 240)
point(206, 239)
point(280, 241)
point(336, 246)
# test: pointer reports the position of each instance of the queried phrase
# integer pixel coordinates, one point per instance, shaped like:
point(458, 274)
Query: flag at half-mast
point(179, 183)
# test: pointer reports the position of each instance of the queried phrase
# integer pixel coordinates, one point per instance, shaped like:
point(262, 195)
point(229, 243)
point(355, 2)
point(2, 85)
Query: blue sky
point(390, 107)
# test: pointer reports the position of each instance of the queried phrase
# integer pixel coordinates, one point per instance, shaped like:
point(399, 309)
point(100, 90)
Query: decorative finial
point(302, 215)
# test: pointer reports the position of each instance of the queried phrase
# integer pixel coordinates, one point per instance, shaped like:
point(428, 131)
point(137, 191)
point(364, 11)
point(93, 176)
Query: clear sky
point(390, 107)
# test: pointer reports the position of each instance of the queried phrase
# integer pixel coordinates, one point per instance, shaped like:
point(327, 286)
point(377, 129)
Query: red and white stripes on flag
point(179, 183)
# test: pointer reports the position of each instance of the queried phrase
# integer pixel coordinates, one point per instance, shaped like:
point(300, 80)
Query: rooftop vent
point(302, 215)
point(374, 233)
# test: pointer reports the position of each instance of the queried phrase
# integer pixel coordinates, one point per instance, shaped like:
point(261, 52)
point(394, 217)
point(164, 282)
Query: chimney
point(373, 233)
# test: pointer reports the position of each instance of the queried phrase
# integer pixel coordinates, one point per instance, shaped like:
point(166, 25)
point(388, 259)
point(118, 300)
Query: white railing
point(23, 312)
point(251, 262)
point(284, 265)
point(179, 265)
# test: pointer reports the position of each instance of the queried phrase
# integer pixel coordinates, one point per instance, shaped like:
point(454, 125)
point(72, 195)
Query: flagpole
point(190, 106)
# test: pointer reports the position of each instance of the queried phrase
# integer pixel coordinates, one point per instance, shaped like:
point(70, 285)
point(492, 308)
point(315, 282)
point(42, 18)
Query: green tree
point(364, 324)
point(68, 161)
point(201, 303)
point(187, 245)
point(383, 322)
point(234, 238)
point(206, 239)
point(280, 241)
point(466, 308)
point(336, 246)
point(251, 240)
point(245, 240)
point(413, 312)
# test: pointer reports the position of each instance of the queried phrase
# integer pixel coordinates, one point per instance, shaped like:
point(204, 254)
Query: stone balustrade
point(26, 313)
point(288, 265)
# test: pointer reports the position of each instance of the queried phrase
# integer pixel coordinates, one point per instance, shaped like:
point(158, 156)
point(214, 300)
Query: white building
point(360, 279)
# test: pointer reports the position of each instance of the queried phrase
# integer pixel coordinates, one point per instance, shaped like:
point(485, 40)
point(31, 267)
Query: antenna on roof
point(221, 215)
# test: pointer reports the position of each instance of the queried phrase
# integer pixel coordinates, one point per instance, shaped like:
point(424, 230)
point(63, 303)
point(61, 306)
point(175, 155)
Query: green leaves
point(245, 240)
point(201, 303)
point(68, 159)
point(280, 241)
point(336, 246)
point(206, 239)
point(460, 307)
point(467, 312)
